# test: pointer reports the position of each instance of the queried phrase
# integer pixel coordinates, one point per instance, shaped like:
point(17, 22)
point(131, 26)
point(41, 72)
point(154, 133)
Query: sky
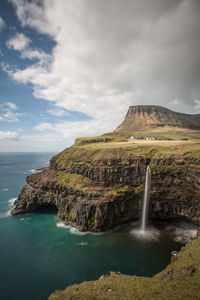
point(71, 68)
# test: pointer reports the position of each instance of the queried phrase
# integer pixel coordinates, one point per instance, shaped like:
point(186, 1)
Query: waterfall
point(146, 199)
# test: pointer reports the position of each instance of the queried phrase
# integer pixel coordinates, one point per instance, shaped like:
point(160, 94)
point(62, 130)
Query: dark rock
point(191, 270)
point(168, 274)
point(174, 256)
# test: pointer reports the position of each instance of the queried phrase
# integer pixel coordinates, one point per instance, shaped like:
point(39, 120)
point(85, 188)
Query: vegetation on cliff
point(88, 153)
point(74, 181)
point(180, 280)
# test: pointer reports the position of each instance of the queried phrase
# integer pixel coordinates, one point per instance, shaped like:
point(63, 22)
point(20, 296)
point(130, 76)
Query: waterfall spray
point(146, 199)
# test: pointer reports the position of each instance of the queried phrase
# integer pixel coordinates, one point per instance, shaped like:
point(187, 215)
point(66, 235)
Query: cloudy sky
point(71, 68)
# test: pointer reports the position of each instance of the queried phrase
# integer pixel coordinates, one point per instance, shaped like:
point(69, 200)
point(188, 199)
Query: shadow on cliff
point(50, 208)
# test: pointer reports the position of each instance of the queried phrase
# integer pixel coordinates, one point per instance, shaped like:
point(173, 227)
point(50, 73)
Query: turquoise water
point(39, 255)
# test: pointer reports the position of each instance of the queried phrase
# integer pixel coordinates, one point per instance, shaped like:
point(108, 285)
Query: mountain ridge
point(153, 116)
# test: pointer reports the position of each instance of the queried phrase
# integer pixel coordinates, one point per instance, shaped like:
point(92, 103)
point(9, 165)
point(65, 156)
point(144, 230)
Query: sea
point(39, 254)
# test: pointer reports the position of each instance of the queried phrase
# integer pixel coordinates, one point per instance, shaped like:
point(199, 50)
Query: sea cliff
point(99, 194)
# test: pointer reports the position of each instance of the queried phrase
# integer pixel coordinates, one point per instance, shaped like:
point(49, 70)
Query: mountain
point(151, 116)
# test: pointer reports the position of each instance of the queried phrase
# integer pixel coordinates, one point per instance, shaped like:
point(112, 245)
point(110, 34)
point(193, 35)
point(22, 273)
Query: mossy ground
point(75, 181)
point(125, 188)
point(179, 281)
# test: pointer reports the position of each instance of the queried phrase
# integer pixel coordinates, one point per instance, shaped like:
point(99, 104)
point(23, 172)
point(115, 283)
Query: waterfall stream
point(145, 207)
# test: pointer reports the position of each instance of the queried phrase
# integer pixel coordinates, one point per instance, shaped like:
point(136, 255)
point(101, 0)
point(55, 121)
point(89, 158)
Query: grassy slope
point(127, 148)
point(169, 132)
point(179, 281)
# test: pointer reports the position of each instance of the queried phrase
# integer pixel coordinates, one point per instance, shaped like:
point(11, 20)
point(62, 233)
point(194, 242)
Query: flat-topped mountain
point(151, 116)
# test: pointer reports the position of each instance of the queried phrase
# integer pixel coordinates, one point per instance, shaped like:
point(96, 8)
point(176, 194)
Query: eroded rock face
point(153, 116)
point(115, 190)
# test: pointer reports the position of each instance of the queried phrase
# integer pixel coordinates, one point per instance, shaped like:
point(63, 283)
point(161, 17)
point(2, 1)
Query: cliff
point(99, 186)
point(180, 280)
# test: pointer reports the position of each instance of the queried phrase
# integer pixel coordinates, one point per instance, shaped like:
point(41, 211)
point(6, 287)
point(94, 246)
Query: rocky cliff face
point(150, 116)
point(102, 194)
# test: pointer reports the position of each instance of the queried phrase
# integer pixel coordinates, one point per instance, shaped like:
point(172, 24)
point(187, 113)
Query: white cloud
point(36, 53)
point(31, 13)
point(43, 126)
point(58, 136)
point(8, 135)
point(2, 23)
point(68, 130)
point(112, 54)
point(19, 42)
point(7, 114)
point(58, 112)
point(197, 105)
point(11, 105)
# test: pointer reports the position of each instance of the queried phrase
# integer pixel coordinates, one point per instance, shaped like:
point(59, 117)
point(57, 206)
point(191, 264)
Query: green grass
point(162, 132)
point(75, 181)
point(179, 281)
point(125, 188)
point(90, 153)
point(120, 147)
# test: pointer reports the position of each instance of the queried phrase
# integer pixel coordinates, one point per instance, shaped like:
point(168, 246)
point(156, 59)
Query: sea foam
point(62, 225)
point(11, 201)
point(82, 244)
point(149, 234)
point(5, 214)
point(75, 231)
point(34, 171)
point(183, 235)
point(183, 232)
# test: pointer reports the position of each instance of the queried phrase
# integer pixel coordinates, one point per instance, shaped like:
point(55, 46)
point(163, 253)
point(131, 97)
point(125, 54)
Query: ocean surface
point(39, 255)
